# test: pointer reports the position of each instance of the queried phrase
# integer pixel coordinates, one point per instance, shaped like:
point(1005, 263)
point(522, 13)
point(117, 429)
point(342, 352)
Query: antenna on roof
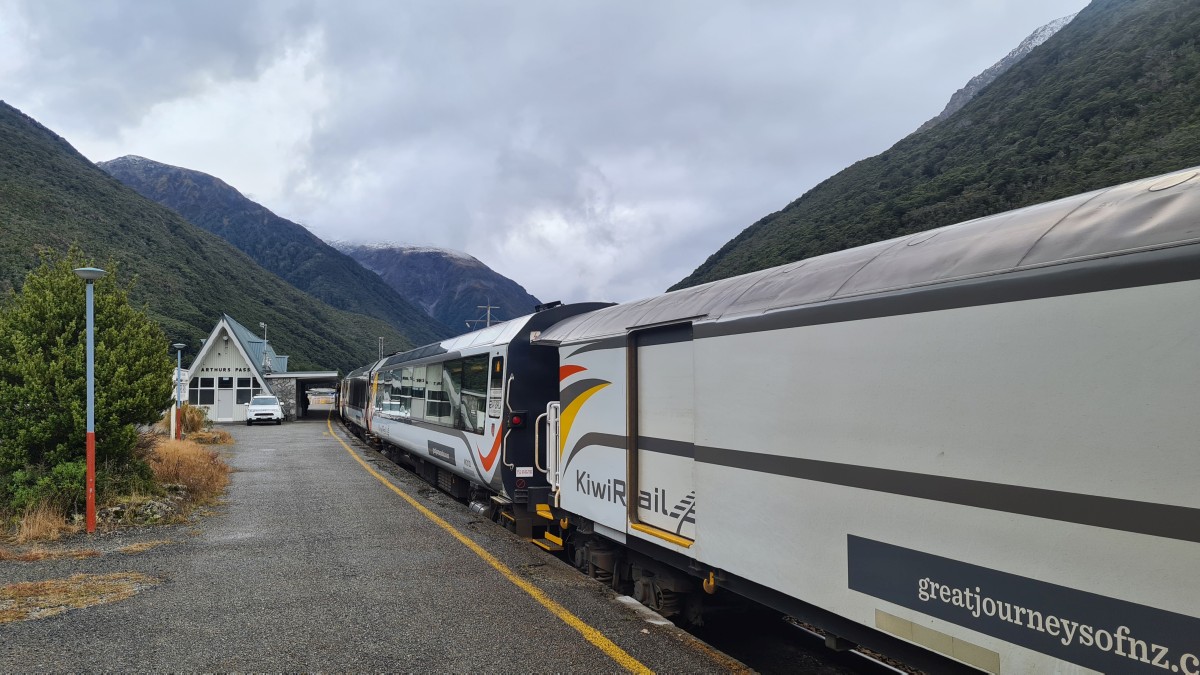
point(487, 321)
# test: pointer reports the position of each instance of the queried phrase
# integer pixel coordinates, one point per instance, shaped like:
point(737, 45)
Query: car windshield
point(264, 400)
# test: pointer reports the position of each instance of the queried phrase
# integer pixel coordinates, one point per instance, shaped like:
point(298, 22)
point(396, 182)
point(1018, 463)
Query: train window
point(452, 387)
point(418, 393)
point(383, 391)
point(437, 400)
point(496, 390)
point(498, 372)
point(473, 394)
point(405, 399)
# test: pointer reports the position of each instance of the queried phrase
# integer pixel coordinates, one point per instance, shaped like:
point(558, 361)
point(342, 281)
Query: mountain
point(52, 197)
point(275, 243)
point(979, 82)
point(1110, 98)
point(451, 286)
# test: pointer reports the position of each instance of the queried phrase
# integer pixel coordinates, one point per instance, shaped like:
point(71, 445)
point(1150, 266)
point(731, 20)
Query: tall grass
point(44, 521)
point(200, 470)
point(194, 418)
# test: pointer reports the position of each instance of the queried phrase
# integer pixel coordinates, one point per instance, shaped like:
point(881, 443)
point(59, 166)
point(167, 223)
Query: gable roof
point(258, 353)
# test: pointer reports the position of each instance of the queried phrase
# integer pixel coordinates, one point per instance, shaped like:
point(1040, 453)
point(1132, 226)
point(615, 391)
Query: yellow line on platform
point(590, 634)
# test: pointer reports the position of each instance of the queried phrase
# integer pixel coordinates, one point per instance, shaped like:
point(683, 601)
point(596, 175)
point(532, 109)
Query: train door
point(661, 439)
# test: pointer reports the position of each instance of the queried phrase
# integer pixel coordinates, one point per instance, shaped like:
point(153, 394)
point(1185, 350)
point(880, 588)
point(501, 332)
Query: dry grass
point(194, 419)
point(200, 470)
point(143, 546)
point(41, 599)
point(211, 437)
point(37, 554)
point(43, 521)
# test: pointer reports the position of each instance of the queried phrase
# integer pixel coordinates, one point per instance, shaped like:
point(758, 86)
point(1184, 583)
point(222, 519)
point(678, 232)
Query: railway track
point(770, 642)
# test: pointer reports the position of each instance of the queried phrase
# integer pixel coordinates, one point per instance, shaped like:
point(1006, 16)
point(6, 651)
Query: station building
point(234, 364)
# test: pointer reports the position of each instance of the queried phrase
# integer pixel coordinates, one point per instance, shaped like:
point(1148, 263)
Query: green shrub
point(63, 486)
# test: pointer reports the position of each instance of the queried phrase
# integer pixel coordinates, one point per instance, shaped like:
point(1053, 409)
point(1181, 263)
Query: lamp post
point(90, 275)
point(178, 389)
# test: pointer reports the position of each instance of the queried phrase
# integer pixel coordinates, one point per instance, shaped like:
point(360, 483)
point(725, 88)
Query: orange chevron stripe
point(566, 371)
point(489, 459)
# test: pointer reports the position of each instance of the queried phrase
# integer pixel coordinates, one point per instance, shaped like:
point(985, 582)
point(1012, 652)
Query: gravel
point(311, 564)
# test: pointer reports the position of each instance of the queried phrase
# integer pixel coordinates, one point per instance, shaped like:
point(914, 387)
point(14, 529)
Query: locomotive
point(973, 446)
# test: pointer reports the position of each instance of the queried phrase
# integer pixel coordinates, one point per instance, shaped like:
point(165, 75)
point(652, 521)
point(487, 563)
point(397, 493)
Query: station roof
point(258, 353)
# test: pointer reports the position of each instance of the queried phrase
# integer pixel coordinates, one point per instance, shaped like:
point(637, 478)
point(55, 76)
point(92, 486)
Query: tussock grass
point(144, 546)
point(211, 437)
point(44, 521)
point(200, 470)
point(37, 554)
point(41, 599)
point(193, 418)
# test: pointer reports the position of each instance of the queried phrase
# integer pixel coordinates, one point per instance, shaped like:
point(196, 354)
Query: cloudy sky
point(588, 149)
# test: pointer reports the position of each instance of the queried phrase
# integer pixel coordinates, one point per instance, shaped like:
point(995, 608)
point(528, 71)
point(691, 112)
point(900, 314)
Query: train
point(974, 447)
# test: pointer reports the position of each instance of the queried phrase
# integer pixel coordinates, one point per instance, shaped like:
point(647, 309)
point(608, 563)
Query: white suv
point(263, 408)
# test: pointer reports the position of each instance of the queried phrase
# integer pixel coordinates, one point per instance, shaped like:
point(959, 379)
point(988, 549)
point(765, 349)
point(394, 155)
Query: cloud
point(589, 150)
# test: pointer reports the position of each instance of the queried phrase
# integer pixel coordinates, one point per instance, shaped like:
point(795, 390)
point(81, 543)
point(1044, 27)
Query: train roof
point(497, 334)
point(1143, 215)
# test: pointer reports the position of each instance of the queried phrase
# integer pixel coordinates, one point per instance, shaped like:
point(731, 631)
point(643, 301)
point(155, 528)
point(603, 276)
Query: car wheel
point(278, 422)
point(249, 422)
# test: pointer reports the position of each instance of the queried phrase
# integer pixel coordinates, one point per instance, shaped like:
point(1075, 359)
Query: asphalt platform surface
point(311, 564)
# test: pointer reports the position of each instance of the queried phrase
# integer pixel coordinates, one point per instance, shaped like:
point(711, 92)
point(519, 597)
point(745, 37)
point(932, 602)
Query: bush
point(62, 487)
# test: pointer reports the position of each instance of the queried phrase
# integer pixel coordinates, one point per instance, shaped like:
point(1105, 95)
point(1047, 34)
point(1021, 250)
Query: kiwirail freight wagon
point(978, 443)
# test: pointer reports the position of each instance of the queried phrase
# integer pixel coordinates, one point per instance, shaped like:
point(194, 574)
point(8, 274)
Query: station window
point(201, 391)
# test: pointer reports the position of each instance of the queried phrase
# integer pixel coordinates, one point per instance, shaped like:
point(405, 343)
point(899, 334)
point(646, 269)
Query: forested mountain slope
point(1111, 97)
point(52, 197)
point(277, 244)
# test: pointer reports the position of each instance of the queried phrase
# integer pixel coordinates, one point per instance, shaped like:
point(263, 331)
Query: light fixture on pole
point(178, 389)
point(90, 275)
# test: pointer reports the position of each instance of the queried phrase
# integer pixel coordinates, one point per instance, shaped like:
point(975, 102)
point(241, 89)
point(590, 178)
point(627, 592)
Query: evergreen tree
point(43, 413)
